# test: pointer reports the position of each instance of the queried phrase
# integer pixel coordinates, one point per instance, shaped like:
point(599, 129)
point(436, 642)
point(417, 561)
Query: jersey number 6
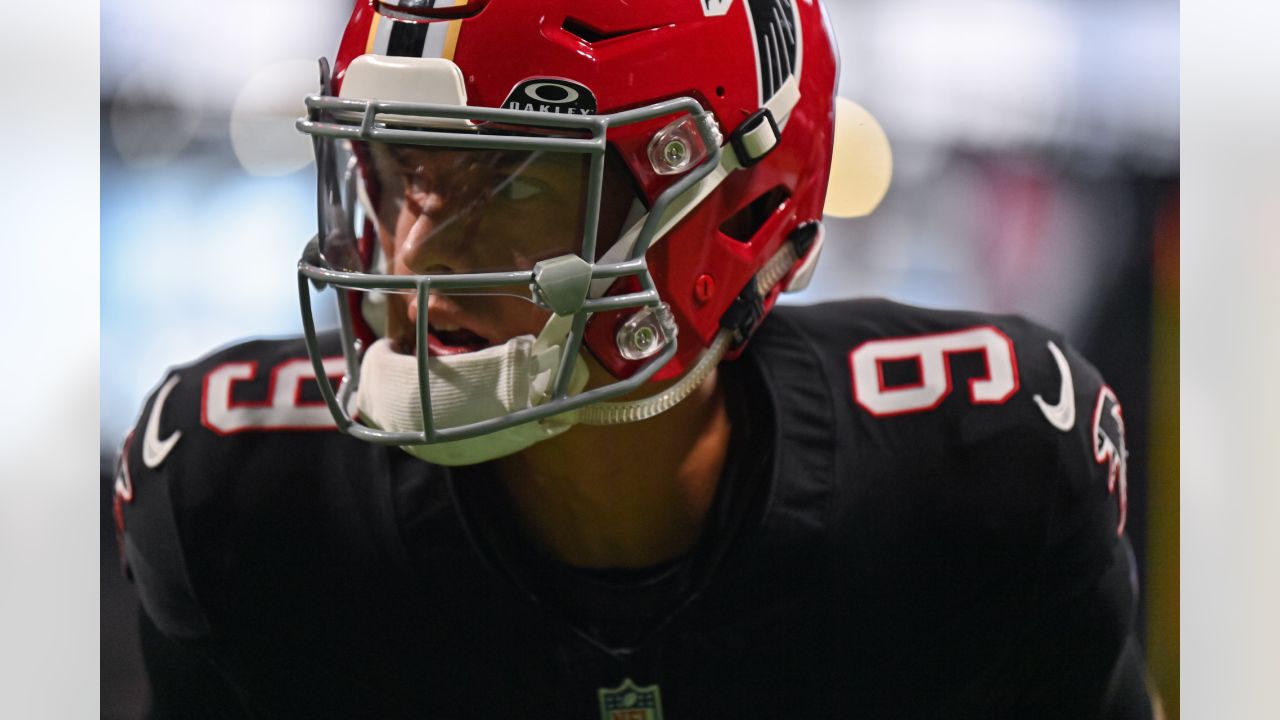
point(932, 353)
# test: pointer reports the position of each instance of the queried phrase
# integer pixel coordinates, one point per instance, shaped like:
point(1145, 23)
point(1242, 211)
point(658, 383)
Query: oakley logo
point(564, 97)
point(552, 93)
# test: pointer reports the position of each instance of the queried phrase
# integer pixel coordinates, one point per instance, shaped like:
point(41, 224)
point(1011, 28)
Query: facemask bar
point(322, 122)
point(333, 186)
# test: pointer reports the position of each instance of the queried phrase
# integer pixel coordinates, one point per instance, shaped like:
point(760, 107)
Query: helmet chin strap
point(617, 413)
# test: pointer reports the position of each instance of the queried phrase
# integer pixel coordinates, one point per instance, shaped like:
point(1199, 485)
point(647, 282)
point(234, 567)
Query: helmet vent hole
point(719, 91)
point(744, 224)
point(591, 35)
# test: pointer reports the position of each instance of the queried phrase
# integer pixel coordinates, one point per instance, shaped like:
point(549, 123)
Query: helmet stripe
point(408, 39)
point(371, 43)
point(382, 39)
point(388, 36)
point(451, 39)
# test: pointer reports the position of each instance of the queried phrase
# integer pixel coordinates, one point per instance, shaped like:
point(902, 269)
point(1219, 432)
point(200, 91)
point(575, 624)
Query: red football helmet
point(704, 129)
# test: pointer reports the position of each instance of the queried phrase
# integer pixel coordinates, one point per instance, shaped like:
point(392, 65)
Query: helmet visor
point(471, 211)
point(482, 217)
point(447, 211)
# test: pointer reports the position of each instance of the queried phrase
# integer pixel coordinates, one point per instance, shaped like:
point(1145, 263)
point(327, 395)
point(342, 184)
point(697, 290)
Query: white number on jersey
point(932, 353)
point(282, 410)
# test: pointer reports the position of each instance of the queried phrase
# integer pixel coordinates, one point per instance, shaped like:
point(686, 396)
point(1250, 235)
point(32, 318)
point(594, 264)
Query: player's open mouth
point(454, 341)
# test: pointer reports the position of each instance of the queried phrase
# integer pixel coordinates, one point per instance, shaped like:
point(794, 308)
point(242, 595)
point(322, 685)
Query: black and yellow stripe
point(407, 38)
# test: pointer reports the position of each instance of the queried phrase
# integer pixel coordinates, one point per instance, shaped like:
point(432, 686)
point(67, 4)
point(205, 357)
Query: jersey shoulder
point(877, 319)
point(211, 440)
point(952, 391)
point(209, 415)
point(903, 361)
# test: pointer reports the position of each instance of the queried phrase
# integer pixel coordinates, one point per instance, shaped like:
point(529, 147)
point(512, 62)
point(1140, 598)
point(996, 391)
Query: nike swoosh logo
point(155, 450)
point(1063, 414)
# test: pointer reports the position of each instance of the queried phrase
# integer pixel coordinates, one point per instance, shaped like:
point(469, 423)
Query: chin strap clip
point(744, 315)
point(755, 137)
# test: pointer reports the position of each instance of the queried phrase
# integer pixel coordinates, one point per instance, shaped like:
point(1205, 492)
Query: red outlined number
point(283, 408)
point(932, 353)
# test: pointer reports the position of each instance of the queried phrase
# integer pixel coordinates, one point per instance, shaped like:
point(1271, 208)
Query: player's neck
point(626, 495)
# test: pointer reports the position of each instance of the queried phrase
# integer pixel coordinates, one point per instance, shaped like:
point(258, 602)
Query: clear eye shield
point(469, 201)
point(468, 210)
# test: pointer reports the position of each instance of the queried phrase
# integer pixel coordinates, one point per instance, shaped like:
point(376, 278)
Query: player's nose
point(440, 239)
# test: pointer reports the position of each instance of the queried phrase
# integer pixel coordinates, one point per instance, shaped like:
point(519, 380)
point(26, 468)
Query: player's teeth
point(446, 328)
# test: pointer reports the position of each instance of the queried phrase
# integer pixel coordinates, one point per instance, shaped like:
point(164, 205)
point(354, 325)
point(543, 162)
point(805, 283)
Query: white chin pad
point(466, 388)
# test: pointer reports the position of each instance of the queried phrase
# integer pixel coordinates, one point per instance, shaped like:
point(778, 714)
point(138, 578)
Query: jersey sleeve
point(202, 477)
point(184, 680)
point(235, 497)
point(1079, 648)
point(150, 473)
point(1090, 478)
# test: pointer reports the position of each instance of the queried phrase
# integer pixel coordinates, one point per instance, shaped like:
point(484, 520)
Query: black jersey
point(920, 517)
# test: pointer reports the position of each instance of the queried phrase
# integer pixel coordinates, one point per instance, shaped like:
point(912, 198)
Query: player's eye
point(520, 189)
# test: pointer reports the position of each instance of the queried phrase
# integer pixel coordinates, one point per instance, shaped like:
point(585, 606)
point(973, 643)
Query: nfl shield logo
point(628, 702)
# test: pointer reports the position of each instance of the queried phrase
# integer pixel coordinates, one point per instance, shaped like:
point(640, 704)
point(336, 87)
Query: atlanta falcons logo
point(1109, 447)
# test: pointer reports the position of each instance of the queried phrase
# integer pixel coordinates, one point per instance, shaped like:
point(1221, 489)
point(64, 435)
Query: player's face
point(448, 211)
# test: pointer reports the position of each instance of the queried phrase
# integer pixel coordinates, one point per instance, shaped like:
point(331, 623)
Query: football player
point(556, 462)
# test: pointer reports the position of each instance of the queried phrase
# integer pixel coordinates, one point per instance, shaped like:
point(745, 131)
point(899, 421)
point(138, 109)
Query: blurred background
point(1036, 148)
